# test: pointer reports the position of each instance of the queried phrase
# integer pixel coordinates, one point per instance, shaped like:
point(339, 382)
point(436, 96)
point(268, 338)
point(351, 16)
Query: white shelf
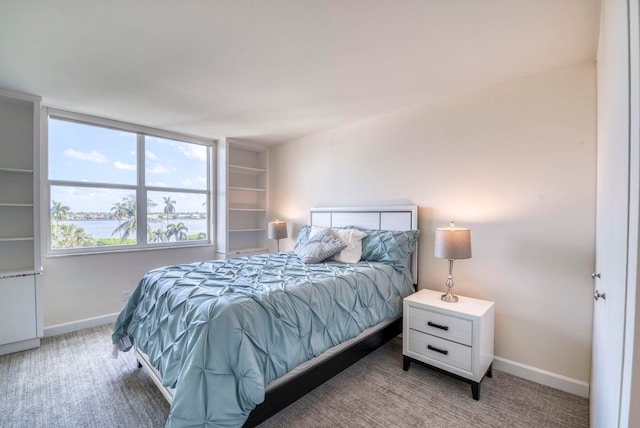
point(17, 170)
point(20, 289)
point(17, 238)
point(9, 204)
point(242, 198)
point(246, 169)
point(248, 189)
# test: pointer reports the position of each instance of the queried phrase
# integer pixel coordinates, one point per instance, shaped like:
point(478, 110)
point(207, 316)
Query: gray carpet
point(71, 381)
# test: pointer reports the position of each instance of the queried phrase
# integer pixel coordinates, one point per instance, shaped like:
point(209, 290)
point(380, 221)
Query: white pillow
point(351, 237)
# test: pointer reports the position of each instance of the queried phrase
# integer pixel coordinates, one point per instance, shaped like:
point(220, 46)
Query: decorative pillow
point(353, 238)
point(350, 236)
point(320, 247)
point(303, 237)
point(389, 246)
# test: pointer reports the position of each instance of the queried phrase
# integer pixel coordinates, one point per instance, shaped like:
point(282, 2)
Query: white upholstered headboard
point(385, 217)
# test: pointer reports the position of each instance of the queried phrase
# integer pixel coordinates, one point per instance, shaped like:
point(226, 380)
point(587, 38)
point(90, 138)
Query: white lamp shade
point(277, 230)
point(453, 243)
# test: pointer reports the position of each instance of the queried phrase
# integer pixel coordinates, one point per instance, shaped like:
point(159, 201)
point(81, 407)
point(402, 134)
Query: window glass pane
point(174, 216)
point(170, 163)
point(84, 217)
point(80, 152)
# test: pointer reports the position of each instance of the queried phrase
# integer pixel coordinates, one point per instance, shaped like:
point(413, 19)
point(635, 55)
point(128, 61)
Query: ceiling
point(276, 70)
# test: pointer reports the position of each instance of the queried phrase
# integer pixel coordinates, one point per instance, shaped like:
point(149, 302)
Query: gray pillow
point(320, 247)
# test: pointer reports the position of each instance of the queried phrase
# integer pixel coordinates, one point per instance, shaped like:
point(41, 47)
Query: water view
point(105, 228)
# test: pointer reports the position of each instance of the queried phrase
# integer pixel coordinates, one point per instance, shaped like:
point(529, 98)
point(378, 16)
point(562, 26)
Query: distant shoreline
point(104, 227)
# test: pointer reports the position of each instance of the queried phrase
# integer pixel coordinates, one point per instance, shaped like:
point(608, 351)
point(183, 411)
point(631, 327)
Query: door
point(612, 216)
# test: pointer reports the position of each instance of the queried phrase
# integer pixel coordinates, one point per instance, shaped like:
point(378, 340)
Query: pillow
point(350, 236)
point(303, 237)
point(353, 239)
point(389, 246)
point(320, 247)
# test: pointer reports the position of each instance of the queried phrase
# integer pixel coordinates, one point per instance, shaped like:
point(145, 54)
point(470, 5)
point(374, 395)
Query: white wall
point(516, 163)
point(81, 287)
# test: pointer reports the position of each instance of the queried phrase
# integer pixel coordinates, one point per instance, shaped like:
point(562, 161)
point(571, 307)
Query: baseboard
point(70, 327)
point(23, 345)
point(543, 377)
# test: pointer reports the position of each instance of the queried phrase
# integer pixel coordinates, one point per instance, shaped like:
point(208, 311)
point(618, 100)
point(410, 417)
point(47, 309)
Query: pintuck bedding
point(220, 331)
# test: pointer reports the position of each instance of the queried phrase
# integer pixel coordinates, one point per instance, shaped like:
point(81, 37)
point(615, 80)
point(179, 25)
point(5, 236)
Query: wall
point(81, 287)
point(516, 164)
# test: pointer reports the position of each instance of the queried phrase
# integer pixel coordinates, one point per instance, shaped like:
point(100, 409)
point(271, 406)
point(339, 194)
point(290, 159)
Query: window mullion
point(89, 184)
point(141, 195)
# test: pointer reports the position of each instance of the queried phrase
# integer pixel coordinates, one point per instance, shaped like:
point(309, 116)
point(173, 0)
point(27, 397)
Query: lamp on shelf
point(277, 230)
point(452, 243)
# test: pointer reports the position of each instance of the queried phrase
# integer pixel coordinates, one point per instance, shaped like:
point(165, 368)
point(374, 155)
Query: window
point(115, 186)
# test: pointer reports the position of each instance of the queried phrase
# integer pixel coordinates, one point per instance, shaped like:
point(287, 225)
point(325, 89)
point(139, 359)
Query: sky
point(85, 153)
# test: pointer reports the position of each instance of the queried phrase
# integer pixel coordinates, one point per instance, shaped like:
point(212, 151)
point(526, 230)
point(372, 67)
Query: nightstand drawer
point(435, 348)
point(445, 326)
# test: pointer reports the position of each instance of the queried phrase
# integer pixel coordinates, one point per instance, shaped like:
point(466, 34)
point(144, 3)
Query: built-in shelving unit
point(242, 199)
point(21, 323)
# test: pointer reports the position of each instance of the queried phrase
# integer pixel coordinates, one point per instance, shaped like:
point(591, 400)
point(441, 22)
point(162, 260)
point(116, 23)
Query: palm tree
point(120, 211)
point(159, 236)
point(58, 212)
point(72, 236)
point(169, 208)
point(125, 209)
point(180, 231)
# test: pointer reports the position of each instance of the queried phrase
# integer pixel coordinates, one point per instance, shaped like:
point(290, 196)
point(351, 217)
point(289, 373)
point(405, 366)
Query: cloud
point(92, 156)
point(151, 155)
point(160, 169)
point(121, 165)
point(194, 151)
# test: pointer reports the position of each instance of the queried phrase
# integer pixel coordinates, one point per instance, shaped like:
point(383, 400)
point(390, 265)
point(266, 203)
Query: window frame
point(140, 188)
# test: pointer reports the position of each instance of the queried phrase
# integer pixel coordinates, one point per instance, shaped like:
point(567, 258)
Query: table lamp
point(277, 230)
point(452, 243)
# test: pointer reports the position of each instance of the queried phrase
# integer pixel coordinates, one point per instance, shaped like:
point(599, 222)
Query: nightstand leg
point(475, 390)
point(490, 371)
point(406, 362)
point(139, 364)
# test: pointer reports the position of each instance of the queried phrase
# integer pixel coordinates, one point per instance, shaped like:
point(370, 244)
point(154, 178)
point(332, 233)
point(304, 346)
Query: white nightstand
point(455, 338)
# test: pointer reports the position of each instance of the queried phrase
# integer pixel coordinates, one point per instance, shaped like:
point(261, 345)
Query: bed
point(232, 342)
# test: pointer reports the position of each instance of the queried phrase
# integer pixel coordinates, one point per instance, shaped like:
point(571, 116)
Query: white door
point(612, 214)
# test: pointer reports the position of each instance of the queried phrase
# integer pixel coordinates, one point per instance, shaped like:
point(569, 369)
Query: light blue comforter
point(220, 331)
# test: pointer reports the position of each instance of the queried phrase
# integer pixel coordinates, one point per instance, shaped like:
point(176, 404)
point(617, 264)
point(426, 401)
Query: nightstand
point(453, 338)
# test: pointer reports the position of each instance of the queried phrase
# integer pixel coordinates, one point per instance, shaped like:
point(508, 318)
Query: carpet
point(71, 381)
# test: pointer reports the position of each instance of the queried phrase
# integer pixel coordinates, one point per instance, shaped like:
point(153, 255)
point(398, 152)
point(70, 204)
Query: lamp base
point(449, 297)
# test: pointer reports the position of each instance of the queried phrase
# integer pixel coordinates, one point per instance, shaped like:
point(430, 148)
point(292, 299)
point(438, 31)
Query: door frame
point(630, 388)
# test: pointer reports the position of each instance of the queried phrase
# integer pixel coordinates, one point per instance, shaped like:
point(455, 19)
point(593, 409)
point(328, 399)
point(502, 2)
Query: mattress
point(220, 331)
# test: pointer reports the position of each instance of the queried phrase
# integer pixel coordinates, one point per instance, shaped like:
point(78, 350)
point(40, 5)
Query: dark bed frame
point(286, 393)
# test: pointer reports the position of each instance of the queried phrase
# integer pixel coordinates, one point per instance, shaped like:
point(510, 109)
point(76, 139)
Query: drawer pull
point(441, 327)
point(433, 348)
